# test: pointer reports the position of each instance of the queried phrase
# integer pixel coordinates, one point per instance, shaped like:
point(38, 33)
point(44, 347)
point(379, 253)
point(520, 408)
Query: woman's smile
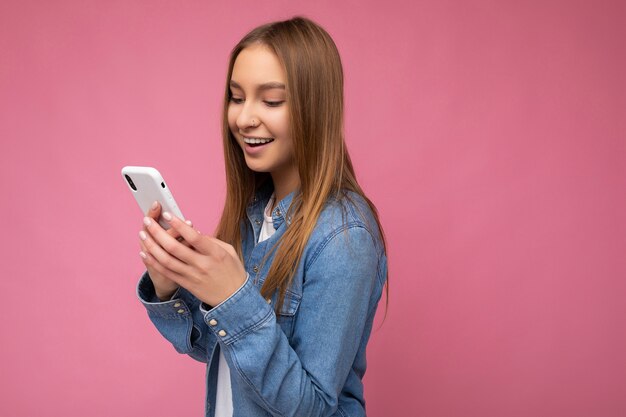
point(254, 141)
point(256, 146)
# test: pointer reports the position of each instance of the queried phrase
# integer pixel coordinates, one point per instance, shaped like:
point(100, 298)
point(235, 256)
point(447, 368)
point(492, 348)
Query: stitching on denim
point(244, 332)
point(169, 316)
point(331, 236)
point(327, 240)
point(293, 299)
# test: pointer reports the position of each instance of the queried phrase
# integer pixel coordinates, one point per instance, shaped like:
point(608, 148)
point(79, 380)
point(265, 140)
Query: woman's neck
point(284, 185)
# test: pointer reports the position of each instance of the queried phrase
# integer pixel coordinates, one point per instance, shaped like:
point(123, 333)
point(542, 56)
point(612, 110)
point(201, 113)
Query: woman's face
point(258, 114)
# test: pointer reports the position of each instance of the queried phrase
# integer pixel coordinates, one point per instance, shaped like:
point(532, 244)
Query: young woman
point(280, 303)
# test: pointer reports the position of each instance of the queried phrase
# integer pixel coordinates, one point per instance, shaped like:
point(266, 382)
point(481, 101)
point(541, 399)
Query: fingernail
point(143, 255)
point(167, 216)
point(143, 235)
point(146, 221)
point(188, 222)
point(155, 205)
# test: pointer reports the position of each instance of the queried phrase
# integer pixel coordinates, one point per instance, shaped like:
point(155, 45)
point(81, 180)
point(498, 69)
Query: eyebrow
point(261, 87)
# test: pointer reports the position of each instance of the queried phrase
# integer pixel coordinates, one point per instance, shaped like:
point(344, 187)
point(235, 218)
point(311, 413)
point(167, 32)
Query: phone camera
point(163, 184)
point(130, 182)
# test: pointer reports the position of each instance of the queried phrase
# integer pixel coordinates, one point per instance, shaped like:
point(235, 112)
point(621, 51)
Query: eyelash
point(268, 103)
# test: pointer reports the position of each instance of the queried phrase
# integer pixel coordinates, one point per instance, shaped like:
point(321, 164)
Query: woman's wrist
point(164, 295)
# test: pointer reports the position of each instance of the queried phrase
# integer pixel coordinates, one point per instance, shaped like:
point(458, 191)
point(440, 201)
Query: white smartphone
point(148, 186)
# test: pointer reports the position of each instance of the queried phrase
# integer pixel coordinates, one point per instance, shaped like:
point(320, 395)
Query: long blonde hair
point(315, 99)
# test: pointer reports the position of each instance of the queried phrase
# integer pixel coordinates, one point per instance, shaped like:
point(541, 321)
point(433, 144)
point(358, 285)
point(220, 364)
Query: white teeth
point(253, 141)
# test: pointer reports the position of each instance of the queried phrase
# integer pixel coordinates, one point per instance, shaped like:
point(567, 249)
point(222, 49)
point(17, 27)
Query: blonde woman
point(280, 303)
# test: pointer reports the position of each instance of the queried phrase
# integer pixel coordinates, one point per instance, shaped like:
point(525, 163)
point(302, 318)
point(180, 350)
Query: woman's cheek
point(279, 122)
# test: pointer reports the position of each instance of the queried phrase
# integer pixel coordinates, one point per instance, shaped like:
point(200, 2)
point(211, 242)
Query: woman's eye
point(273, 103)
point(236, 100)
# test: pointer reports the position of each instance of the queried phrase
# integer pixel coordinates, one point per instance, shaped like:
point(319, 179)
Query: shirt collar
point(281, 210)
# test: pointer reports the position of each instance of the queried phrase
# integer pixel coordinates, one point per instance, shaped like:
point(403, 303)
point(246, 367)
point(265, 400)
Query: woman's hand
point(210, 269)
point(163, 287)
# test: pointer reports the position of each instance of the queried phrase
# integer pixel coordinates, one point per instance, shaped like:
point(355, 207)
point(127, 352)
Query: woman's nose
point(246, 118)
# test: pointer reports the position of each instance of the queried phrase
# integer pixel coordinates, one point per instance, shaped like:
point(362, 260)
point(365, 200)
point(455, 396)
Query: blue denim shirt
point(309, 359)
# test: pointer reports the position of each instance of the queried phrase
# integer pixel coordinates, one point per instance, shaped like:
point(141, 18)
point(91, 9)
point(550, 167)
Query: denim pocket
point(286, 314)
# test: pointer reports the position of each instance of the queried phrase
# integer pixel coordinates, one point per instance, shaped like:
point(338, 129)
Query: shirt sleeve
point(178, 320)
point(304, 378)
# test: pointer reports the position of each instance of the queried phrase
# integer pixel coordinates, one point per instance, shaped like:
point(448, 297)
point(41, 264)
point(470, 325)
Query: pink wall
point(490, 134)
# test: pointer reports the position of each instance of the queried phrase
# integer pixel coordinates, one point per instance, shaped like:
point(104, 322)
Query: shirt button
point(213, 322)
point(258, 222)
point(255, 269)
point(177, 305)
point(181, 310)
point(222, 333)
point(269, 301)
point(278, 212)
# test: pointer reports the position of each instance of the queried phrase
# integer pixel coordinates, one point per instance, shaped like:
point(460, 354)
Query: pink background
point(490, 134)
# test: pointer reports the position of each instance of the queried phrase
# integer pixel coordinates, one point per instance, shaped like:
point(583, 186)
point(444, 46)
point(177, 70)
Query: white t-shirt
point(224, 396)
